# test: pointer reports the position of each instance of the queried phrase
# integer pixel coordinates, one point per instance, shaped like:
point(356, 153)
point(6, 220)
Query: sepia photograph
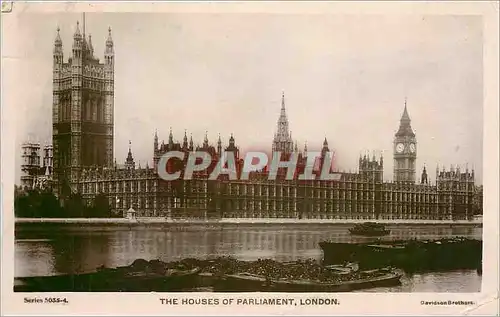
point(211, 151)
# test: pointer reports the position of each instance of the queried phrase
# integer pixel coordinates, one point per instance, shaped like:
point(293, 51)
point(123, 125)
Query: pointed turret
point(129, 162)
point(156, 141)
point(170, 138)
point(77, 35)
point(77, 43)
point(424, 178)
point(191, 144)
point(58, 51)
point(205, 140)
point(109, 43)
point(109, 53)
point(58, 43)
point(185, 144)
point(90, 46)
point(219, 146)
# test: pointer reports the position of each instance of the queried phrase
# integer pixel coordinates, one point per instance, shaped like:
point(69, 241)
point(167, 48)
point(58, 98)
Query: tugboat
point(369, 229)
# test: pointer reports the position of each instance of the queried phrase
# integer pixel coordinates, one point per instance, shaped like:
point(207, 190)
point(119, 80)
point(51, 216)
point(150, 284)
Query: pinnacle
point(58, 37)
point(404, 126)
point(405, 116)
point(110, 39)
point(77, 31)
point(283, 102)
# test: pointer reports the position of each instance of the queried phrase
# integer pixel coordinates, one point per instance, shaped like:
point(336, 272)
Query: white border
point(351, 303)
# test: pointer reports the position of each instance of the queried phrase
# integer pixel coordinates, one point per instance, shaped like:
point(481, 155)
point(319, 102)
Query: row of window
point(138, 203)
point(120, 187)
point(143, 202)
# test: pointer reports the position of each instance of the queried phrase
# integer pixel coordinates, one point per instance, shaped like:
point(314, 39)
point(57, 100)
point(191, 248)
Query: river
point(41, 249)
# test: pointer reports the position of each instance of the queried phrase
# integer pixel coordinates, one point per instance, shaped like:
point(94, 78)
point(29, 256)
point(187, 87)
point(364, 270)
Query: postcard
point(250, 158)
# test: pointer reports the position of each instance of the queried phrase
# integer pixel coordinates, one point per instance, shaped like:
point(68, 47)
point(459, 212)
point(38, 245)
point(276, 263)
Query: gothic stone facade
point(355, 196)
point(361, 195)
point(83, 114)
point(82, 111)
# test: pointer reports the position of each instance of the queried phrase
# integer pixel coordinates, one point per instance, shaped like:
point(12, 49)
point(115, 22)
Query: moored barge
point(369, 229)
point(411, 255)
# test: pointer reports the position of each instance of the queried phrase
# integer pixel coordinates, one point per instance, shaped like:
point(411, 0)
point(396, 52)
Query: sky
point(345, 77)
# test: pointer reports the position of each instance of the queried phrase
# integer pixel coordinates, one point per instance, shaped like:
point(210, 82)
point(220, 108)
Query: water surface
point(43, 250)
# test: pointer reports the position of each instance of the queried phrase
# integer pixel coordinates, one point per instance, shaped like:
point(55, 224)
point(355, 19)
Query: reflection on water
point(40, 251)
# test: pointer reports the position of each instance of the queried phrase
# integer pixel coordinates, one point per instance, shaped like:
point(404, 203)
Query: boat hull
point(243, 283)
point(389, 279)
point(370, 233)
point(107, 281)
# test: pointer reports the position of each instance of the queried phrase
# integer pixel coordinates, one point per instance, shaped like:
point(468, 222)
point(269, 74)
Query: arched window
point(87, 110)
point(67, 110)
point(101, 103)
point(94, 110)
point(60, 110)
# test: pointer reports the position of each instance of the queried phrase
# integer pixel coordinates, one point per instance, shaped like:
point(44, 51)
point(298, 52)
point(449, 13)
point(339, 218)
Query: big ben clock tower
point(405, 151)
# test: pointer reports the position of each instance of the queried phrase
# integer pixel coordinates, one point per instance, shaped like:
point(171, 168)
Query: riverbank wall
point(236, 221)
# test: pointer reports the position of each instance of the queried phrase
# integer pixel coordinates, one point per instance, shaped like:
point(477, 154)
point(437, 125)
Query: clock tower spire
point(405, 150)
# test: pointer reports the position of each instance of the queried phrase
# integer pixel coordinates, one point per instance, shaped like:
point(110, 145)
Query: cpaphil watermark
point(199, 161)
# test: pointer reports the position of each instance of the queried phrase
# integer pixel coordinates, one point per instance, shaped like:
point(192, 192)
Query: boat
point(370, 229)
point(375, 278)
point(410, 255)
point(242, 282)
point(110, 280)
point(246, 282)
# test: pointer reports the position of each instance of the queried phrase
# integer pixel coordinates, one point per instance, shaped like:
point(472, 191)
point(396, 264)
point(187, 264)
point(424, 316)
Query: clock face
point(412, 147)
point(400, 147)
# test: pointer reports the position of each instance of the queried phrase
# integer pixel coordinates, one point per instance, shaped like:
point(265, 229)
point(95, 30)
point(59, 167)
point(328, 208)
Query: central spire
point(283, 101)
point(282, 139)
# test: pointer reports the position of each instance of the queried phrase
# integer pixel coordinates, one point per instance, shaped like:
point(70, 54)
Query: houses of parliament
point(83, 125)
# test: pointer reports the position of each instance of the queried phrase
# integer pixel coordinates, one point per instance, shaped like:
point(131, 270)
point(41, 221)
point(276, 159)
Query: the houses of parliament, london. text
point(83, 163)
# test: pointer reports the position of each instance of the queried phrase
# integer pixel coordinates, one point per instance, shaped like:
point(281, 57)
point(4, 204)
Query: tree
point(75, 207)
point(36, 204)
point(100, 207)
point(22, 206)
point(49, 205)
